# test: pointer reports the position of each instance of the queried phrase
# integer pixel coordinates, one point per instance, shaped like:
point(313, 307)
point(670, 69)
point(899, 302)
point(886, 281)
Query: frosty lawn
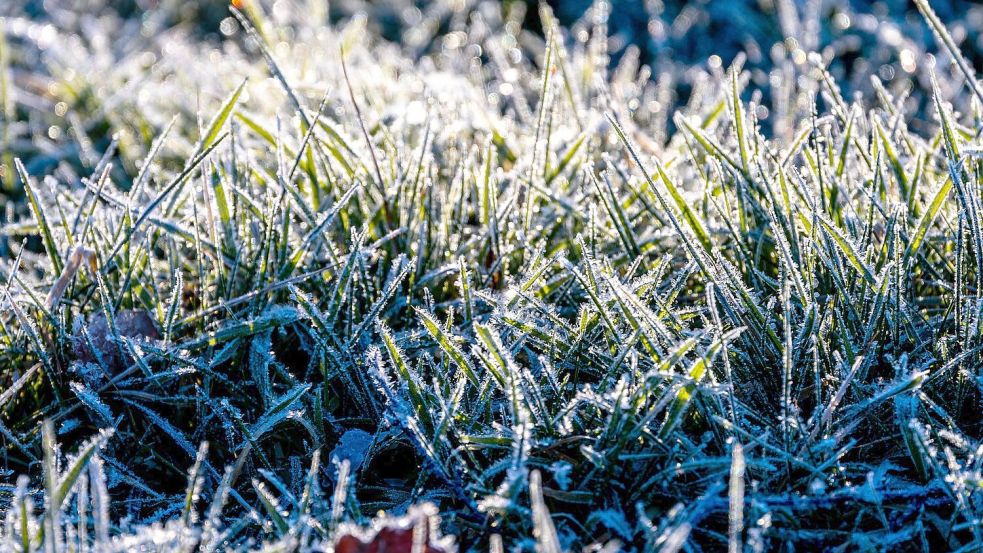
point(256, 290)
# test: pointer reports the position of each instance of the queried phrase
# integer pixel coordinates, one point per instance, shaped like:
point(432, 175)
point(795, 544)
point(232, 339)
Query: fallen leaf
point(416, 532)
point(130, 323)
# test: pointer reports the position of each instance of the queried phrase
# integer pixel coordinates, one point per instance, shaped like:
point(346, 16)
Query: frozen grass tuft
point(263, 287)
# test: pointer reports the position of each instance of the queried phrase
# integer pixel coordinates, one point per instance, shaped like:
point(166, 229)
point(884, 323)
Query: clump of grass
point(485, 278)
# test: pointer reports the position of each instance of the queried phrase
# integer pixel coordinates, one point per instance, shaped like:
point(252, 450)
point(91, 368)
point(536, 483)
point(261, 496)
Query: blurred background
point(676, 39)
point(659, 32)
